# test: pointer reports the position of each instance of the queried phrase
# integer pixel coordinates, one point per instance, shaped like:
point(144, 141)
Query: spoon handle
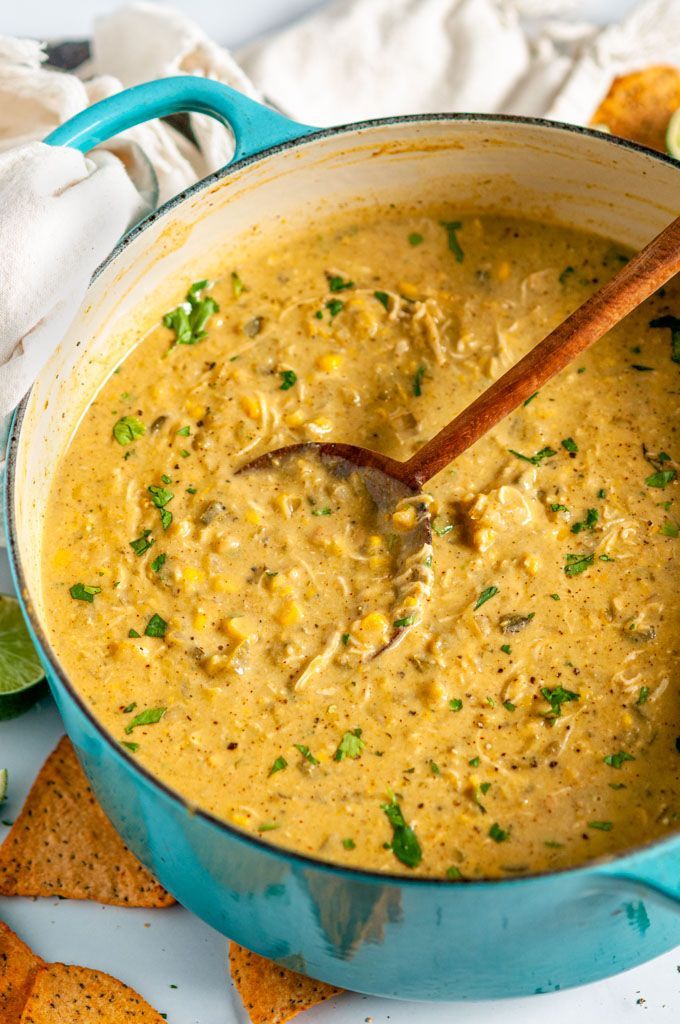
point(649, 270)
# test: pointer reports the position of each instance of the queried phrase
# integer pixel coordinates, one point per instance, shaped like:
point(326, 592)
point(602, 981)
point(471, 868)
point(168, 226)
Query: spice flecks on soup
point(222, 627)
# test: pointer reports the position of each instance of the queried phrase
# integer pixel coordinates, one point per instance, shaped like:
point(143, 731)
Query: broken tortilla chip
point(78, 995)
point(273, 994)
point(62, 844)
point(639, 106)
point(18, 968)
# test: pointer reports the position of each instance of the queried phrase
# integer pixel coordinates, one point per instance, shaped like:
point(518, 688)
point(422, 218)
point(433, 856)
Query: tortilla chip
point(638, 106)
point(78, 995)
point(272, 994)
point(18, 968)
point(62, 844)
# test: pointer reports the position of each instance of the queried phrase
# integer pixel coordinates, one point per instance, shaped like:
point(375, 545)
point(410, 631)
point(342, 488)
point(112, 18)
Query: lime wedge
point(4, 779)
point(673, 135)
point(22, 680)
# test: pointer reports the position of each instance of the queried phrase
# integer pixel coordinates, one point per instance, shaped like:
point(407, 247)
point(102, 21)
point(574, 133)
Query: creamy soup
point(225, 627)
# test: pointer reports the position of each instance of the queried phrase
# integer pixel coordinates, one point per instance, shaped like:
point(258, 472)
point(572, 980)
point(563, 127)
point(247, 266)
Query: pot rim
point(50, 656)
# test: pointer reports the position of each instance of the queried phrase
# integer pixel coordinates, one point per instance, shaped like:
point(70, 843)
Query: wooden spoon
point(389, 480)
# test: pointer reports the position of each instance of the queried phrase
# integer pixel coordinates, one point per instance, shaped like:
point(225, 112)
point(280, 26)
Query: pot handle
point(254, 126)
point(652, 885)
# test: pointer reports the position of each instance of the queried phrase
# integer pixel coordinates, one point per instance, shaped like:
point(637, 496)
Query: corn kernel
point(253, 517)
point(61, 558)
point(627, 719)
point(410, 602)
point(375, 541)
point(285, 504)
point(374, 622)
point(251, 406)
point(503, 271)
point(222, 585)
point(289, 614)
point(200, 620)
point(240, 819)
point(237, 627)
point(532, 564)
point(405, 518)
point(408, 289)
point(195, 409)
point(378, 562)
point(295, 418)
point(191, 574)
point(329, 362)
point(215, 664)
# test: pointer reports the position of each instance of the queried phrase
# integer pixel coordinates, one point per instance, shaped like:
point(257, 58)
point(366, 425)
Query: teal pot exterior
point(396, 936)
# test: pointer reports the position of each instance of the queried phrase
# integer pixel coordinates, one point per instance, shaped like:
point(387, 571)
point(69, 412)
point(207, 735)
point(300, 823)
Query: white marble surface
point(153, 950)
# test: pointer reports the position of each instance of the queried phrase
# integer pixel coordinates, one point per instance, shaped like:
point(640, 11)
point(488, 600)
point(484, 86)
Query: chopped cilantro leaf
point(133, 634)
point(350, 746)
point(133, 747)
point(531, 398)
point(601, 826)
point(670, 529)
point(570, 445)
point(418, 381)
point(558, 508)
point(156, 626)
point(184, 431)
point(452, 227)
point(279, 764)
point(454, 874)
point(143, 543)
point(506, 648)
point(498, 834)
point(537, 459)
point(661, 478)
point(455, 704)
point(485, 596)
point(237, 285)
point(556, 698)
point(405, 845)
point(592, 516)
point(306, 753)
point(383, 298)
point(617, 760)
point(415, 238)
point(334, 306)
point(349, 844)
point(190, 320)
point(84, 592)
point(577, 564)
point(643, 695)
point(322, 511)
point(338, 284)
point(149, 717)
point(160, 496)
point(509, 706)
point(288, 379)
point(408, 620)
point(128, 429)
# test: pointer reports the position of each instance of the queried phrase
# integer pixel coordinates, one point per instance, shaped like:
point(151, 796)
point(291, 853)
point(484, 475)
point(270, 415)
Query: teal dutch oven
point(397, 935)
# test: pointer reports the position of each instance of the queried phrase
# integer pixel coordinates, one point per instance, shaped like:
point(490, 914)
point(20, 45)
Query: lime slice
point(673, 135)
point(4, 779)
point(22, 680)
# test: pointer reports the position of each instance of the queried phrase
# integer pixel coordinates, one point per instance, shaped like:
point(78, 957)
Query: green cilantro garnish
point(617, 760)
point(452, 227)
point(498, 834)
point(455, 704)
point(184, 453)
point(306, 753)
point(506, 648)
point(641, 369)
point(601, 826)
point(345, 639)
point(558, 508)
point(454, 874)
point(556, 698)
point(184, 431)
point(555, 597)
point(592, 516)
point(130, 708)
point(673, 323)
point(441, 527)
point(133, 634)
point(408, 620)
point(661, 478)
point(268, 826)
point(156, 626)
point(577, 564)
point(166, 479)
point(350, 746)
point(148, 717)
point(128, 429)
point(670, 529)
point(158, 562)
point(405, 845)
point(189, 321)
point(383, 298)
point(643, 695)
point(349, 844)
point(160, 496)
point(474, 762)
point(415, 238)
point(326, 511)
point(338, 284)
point(531, 398)
point(288, 379)
point(509, 706)
point(134, 747)
point(434, 768)
point(537, 459)
point(334, 306)
point(416, 387)
point(83, 592)
point(485, 596)
point(566, 273)
point(279, 764)
point(570, 445)
point(143, 543)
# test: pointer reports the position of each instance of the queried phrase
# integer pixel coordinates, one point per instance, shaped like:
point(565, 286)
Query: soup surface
point(223, 627)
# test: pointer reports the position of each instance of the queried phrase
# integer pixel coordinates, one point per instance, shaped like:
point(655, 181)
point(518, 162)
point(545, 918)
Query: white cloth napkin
point(61, 213)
